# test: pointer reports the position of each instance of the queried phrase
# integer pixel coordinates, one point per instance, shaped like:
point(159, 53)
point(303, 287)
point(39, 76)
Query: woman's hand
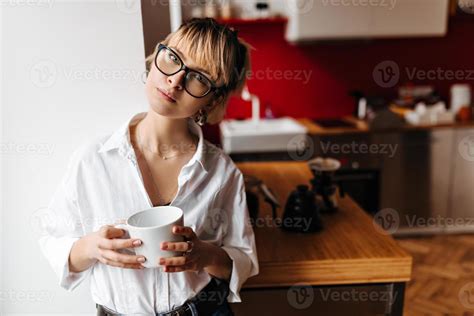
point(197, 254)
point(102, 246)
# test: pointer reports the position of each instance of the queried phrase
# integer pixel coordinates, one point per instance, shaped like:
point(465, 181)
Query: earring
point(201, 118)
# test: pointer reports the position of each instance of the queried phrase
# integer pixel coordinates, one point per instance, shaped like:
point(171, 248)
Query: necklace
point(160, 197)
point(140, 143)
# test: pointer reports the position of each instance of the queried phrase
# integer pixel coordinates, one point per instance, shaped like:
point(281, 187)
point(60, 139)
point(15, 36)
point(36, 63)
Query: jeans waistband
point(205, 302)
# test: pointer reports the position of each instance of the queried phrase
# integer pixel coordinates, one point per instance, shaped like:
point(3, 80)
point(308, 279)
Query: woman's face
point(182, 104)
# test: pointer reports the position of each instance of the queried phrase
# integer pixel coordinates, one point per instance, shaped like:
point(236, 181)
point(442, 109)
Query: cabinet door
point(415, 181)
point(441, 157)
point(321, 19)
point(462, 192)
point(409, 18)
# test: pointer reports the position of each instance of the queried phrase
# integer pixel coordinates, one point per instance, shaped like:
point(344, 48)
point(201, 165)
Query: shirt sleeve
point(239, 239)
point(60, 226)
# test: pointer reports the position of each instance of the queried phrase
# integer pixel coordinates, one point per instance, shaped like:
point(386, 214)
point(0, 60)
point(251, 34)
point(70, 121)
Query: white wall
point(71, 70)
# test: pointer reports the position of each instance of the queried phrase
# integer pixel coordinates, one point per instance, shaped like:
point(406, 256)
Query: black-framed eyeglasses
point(195, 83)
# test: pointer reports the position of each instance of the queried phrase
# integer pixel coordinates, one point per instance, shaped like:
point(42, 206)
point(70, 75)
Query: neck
point(160, 132)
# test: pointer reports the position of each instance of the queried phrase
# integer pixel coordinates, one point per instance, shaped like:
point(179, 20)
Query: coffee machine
point(325, 183)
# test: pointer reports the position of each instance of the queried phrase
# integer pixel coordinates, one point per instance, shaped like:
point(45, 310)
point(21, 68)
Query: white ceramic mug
point(152, 227)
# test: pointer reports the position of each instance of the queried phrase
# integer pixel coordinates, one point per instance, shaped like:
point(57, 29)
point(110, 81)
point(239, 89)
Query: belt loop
point(193, 309)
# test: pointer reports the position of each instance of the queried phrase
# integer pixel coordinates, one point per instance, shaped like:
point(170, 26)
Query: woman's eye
point(173, 58)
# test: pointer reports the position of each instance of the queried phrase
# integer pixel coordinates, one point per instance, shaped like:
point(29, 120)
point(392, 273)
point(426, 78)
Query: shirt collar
point(120, 140)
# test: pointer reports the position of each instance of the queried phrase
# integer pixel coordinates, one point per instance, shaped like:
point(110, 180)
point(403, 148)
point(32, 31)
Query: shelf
point(238, 21)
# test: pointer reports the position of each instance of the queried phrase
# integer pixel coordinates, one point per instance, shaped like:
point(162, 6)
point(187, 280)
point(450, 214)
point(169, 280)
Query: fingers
point(185, 231)
point(174, 261)
point(176, 268)
point(175, 246)
point(178, 264)
point(116, 259)
point(115, 244)
point(109, 231)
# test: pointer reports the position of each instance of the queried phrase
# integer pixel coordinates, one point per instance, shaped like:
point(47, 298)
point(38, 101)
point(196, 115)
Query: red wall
point(338, 67)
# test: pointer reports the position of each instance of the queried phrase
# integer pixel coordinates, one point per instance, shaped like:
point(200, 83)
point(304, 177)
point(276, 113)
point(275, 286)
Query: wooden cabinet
point(339, 19)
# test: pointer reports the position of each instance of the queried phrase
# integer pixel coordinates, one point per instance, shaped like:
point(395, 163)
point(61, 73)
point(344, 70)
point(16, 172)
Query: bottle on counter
point(226, 9)
point(461, 101)
point(262, 9)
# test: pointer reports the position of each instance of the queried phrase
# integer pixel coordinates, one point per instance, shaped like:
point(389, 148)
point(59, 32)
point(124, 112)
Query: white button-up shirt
point(103, 185)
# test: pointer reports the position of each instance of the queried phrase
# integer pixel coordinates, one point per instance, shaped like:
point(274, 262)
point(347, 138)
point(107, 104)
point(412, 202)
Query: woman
point(157, 158)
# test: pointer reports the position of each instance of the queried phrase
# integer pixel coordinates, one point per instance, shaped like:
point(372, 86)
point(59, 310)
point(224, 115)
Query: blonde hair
point(220, 50)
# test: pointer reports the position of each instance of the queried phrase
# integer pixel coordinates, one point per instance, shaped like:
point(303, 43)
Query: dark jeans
point(212, 299)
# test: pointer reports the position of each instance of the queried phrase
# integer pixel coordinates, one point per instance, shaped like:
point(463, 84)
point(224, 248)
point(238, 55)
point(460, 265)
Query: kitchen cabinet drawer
point(462, 191)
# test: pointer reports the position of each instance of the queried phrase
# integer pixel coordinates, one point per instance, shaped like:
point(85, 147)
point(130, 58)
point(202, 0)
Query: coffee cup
point(153, 226)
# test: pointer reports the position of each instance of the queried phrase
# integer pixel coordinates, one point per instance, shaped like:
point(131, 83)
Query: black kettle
point(301, 211)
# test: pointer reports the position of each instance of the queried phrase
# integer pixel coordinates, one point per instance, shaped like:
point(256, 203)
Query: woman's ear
point(215, 101)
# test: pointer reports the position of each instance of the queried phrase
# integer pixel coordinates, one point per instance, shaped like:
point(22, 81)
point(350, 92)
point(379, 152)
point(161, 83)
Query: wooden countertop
point(361, 126)
point(350, 250)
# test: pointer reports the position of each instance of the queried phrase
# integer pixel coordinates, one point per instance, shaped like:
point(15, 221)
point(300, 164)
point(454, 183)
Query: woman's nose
point(176, 80)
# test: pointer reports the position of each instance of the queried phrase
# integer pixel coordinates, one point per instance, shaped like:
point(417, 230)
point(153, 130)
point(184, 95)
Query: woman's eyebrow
point(195, 68)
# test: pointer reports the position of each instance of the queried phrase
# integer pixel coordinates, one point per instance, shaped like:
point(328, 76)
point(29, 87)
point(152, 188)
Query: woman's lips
point(165, 96)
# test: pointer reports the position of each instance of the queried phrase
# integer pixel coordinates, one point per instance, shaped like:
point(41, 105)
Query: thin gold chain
point(161, 200)
point(160, 197)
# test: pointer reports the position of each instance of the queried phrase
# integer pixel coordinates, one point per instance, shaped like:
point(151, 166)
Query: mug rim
point(181, 214)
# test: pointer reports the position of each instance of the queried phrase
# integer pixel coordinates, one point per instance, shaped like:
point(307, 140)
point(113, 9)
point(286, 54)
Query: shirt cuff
point(241, 271)
point(70, 280)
